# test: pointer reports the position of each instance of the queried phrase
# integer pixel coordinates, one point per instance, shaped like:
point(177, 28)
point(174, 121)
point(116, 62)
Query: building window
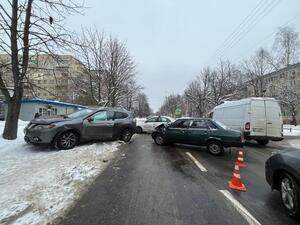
point(281, 75)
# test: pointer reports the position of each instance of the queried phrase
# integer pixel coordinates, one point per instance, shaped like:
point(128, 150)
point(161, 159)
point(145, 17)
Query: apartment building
point(288, 77)
point(49, 77)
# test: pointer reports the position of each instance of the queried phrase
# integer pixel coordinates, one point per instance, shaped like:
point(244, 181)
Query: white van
point(259, 118)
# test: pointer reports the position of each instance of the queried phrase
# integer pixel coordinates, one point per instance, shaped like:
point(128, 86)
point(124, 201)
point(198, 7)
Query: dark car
point(83, 125)
point(283, 174)
point(202, 132)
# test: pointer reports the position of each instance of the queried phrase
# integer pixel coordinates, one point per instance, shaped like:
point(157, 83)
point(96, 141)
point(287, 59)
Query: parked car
point(86, 124)
point(259, 118)
point(196, 131)
point(283, 174)
point(149, 125)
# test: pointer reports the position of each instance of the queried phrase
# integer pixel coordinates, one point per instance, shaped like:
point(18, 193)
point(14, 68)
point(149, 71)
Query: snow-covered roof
point(243, 101)
point(49, 102)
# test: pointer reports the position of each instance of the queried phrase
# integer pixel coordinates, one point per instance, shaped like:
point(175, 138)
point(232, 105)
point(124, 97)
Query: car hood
point(292, 153)
point(49, 120)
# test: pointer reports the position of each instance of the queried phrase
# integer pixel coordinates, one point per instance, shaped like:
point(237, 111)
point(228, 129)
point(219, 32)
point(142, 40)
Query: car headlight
point(49, 126)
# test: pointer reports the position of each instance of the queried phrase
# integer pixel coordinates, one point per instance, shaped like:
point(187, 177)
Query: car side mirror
point(90, 119)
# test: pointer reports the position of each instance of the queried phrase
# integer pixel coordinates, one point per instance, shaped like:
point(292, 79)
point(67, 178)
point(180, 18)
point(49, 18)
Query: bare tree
point(171, 103)
point(287, 45)
point(289, 96)
point(197, 94)
point(28, 27)
point(255, 69)
point(142, 107)
point(223, 82)
point(119, 70)
point(91, 47)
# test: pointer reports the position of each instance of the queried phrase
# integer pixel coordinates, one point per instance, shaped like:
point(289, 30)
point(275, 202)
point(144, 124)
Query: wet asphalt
point(159, 185)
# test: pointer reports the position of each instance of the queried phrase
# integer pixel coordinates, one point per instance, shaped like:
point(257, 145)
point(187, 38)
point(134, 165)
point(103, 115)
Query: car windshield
point(79, 113)
point(220, 124)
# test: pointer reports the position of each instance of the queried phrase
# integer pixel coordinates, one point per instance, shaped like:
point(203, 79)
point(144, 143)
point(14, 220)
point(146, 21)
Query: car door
point(178, 131)
point(273, 119)
point(99, 126)
point(199, 132)
point(150, 124)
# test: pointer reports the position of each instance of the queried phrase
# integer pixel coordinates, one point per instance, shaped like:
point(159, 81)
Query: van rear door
point(274, 119)
point(258, 118)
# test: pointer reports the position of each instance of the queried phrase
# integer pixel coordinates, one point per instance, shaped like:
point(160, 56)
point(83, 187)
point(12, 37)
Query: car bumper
point(42, 136)
point(248, 136)
point(269, 173)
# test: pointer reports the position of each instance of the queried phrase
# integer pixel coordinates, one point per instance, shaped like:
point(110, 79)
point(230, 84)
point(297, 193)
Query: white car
point(149, 125)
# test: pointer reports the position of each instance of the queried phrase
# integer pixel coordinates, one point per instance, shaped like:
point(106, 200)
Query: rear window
point(120, 115)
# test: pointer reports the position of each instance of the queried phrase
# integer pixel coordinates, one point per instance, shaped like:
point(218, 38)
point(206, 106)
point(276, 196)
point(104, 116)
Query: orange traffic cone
point(236, 182)
point(240, 159)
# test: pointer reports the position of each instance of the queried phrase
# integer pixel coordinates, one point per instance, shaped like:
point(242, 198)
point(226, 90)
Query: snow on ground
point(291, 130)
point(38, 184)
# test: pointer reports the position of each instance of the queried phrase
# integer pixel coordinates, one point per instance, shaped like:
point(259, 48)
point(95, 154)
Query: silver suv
point(67, 131)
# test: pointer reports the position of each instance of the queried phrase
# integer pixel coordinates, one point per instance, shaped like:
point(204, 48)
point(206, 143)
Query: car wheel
point(159, 139)
point(139, 130)
point(67, 140)
point(290, 195)
point(262, 142)
point(126, 135)
point(215, 148)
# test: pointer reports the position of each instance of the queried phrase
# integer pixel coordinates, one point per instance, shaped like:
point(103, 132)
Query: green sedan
point(199, 131)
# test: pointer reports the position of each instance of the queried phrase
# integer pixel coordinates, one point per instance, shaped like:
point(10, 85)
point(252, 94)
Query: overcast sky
point(171, 40)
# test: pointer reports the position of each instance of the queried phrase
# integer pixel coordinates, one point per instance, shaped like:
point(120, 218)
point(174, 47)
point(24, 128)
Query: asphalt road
point(162, 185)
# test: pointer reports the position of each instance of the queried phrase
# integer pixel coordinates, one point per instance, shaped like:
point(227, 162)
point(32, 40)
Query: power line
point(247, 29)
point(267, 37)
point(238, 28)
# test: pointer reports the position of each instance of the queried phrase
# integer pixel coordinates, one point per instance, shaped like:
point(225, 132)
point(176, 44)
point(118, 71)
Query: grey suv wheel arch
point(126, 129)
point(63, 131)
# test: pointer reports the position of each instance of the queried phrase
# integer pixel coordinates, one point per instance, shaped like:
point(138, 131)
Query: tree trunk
point(294, 120)
point(11, 123)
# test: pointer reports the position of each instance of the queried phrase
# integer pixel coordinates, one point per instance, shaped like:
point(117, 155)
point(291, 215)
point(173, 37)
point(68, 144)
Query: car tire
point(159, 139)
point(215, 148)
point(126, 135)
point(262, 142)
point(139, 130)
point(290, 194)
point(67, 140)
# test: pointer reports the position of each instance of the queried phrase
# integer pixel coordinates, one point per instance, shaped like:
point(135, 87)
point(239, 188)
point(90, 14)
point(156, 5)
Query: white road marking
point(200, 166)
point(240, 208)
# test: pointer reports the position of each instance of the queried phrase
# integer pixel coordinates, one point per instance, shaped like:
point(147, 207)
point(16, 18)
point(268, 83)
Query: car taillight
point(247, 126)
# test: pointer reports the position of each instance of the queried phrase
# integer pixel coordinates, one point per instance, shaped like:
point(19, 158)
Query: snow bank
point(38, 184)
point(291, 130)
